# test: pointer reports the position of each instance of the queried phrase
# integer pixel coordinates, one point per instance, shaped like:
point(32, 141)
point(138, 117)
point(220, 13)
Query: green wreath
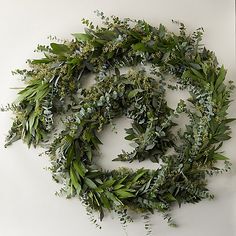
point(177, 62)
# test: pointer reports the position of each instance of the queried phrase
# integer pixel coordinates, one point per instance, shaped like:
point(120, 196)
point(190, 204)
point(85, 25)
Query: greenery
point(177, 62)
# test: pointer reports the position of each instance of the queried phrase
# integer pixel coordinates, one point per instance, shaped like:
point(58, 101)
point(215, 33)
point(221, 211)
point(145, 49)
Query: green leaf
point(129, 131)
point(139, 174)
point(148, 184)
point(169, 197)
point(107, 35)
point(222, 137)
point(229, 120)
point(95, 140)
point(36, 122)
point(98, 42)
point(41, 61)
point(138, 129)
point(123, 193)
point(161, 31)
point(112, 197)
point(25, 94)
point(122, 180)
point(42, 91)
point(134, 34)
point(105, 201)
point(82, 37)
point(218, 156)
point(74, 179)
point(134, 92)
point(89, 153)
point(90, 183)
point(118, 186)
point(80, 168)
point(108, 183)
point(221, 77)
point(140, 47)
point(197, 73)
point(130, 137)
point(31, 121)
point(70, 154)
point(196, 66)
point(59, 49)
point(190, 74)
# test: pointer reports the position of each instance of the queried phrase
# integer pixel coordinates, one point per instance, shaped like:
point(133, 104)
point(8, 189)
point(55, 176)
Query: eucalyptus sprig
point(53, 88)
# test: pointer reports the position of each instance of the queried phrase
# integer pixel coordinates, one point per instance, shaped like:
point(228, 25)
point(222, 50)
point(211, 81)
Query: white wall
point(28, 206)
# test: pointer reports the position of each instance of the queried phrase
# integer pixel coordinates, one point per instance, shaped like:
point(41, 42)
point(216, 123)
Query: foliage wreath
point(54, 88)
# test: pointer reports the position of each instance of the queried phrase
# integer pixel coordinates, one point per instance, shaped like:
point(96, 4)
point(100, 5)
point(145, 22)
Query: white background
point(28, 206)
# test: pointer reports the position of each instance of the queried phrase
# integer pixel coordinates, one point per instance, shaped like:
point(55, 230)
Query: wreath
point(160, 61)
